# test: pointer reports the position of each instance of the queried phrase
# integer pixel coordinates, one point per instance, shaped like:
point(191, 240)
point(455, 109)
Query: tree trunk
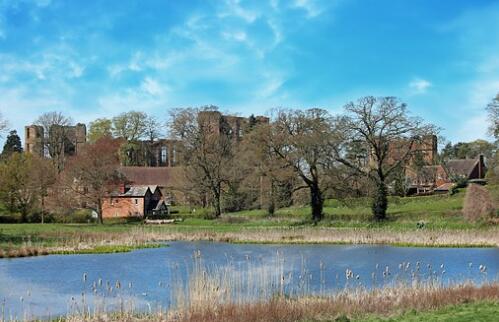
point(316, 202)
point(271, 204)
point(24, 215)
point(216, 204)
point(380, 202)
point(43, 209)
point(99, 212)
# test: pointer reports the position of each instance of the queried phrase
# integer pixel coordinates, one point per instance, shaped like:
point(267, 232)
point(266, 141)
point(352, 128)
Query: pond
point(50, 286)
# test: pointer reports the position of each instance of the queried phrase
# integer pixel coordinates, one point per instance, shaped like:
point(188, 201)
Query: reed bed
point(224, 294)
point(81, 243)
point(383, 303)
point(423, 238)
point(142, 236)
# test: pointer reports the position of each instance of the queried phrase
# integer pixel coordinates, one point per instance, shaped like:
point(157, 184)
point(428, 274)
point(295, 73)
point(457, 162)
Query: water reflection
point(144, 279)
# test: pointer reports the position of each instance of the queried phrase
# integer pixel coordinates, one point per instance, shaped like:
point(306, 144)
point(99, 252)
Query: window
point(164, 155)
point(136, 201)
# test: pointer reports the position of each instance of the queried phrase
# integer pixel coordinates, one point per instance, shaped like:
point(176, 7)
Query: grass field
point(481, 311)
point(346, 221)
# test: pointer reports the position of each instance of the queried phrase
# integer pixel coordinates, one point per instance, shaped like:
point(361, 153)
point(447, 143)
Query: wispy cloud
point(419, 85)
point(312, 7)
point(152, 87)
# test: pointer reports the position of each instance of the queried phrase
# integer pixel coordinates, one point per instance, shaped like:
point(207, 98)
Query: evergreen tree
point(12, 144)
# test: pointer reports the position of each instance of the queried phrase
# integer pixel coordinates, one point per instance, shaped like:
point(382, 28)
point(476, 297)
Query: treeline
point(299, 156)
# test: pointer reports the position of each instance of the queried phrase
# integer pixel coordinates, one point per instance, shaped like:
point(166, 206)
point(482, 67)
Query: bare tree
point(55, 128)
point(304, 140)
point(152, 128)
point(262, 169)
point(493, 110)
point(207, 150)
point(91, 175)
point(390, 135)
point(43, 178)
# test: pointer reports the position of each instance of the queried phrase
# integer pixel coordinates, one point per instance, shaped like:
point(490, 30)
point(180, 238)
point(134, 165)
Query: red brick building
point(440, 178)
point(133, 201)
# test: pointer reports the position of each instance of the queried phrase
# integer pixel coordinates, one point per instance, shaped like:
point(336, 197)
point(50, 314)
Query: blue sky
point(94, 59)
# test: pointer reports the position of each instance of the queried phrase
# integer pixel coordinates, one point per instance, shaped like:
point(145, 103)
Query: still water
point(55, 285)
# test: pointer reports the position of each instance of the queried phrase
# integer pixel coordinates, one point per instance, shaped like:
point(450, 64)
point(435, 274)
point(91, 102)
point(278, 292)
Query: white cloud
point(419, 86)
point(76, 70)
point(233, 8)
point(151, 87)
point(311, 7)
point(235, 35)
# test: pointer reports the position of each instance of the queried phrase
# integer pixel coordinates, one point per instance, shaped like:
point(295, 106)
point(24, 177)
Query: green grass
point(482, 311)
point(437, 212)
point(108, 249)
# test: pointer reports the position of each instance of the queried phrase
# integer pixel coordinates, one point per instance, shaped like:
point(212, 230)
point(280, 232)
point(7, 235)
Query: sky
point(92, 59)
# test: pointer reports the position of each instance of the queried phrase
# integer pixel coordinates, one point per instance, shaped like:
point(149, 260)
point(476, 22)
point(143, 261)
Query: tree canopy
point(390, 135)
point(12, 144)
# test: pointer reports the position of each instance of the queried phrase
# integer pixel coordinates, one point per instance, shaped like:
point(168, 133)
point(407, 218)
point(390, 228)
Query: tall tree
point(469, 150)
point(304, 140)
point(17, 191)
point(55, 129)
point(389, 133)
point(152, 128)
point(493, 110)
point(261, 168)
point(91, 175)
point(43, 179)
point(99, 129)
point(12, 144)
point(130, 126)
point(207, 151)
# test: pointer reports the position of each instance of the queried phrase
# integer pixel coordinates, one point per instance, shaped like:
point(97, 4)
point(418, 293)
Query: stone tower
point(80, 136)
point(34, 139)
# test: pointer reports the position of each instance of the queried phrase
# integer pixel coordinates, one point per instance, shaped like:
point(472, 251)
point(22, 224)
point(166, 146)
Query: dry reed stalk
point(432, 238)
point(384, 302)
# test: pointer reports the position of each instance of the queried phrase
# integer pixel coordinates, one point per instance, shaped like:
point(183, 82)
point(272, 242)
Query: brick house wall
point(123, 207)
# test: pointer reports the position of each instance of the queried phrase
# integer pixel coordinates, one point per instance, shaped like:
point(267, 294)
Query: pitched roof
point(136, 191)
point(461, 167)
point(159, 176)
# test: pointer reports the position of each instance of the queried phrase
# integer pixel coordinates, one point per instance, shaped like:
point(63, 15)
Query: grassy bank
point(481, 311)
point(432, 221)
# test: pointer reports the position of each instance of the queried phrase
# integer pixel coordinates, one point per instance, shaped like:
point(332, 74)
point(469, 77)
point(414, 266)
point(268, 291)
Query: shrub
point(81, 216)
point(478, 204)
point(9, 218)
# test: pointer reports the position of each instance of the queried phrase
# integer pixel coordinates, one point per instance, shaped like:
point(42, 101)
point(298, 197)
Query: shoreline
point(149, 237)
point(347, 236)
point(393, 303)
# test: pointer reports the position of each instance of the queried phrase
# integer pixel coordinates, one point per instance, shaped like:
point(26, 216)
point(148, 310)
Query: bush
point(10, 218)
point(478, 204)
point(459, 183)
point(78, 216)
point(36, 217)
